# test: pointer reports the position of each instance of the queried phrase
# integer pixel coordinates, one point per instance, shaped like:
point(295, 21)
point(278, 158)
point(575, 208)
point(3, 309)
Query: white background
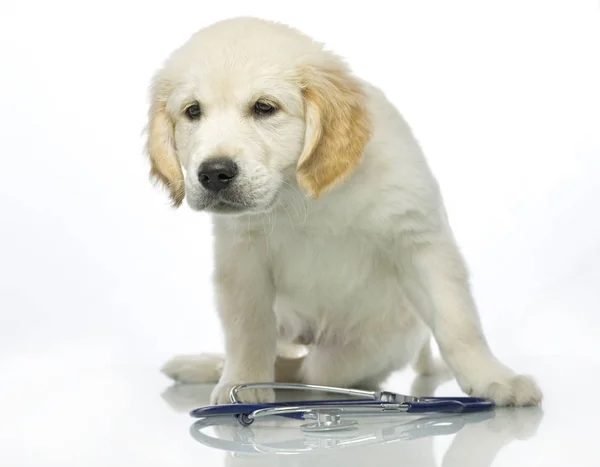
point(504, 97)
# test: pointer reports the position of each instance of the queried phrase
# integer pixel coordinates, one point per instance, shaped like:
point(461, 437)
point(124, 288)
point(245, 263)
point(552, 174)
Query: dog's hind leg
point(208, 368)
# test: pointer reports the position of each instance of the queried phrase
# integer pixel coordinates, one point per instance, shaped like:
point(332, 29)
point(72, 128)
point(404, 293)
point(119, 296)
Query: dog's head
point(246, 106)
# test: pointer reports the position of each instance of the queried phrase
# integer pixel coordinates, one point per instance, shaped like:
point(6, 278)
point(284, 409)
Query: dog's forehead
point(232, 61)
point(235, 62)
point(234, 81)
point(216, 86)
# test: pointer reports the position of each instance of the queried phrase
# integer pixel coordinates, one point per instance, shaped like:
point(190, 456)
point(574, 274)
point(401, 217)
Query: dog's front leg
point(245, 297)
point(437, 283)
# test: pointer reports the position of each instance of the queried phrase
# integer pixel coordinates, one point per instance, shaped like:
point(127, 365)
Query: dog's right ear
point(160, 147)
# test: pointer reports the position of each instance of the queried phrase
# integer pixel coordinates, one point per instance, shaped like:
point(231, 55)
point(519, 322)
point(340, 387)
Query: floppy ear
point(160, 146)
point(337, 129)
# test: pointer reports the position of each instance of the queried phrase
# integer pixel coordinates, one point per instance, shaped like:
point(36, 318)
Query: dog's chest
point(316, 272)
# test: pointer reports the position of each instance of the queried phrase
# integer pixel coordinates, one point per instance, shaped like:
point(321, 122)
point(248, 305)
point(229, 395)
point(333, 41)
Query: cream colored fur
point(335, 235)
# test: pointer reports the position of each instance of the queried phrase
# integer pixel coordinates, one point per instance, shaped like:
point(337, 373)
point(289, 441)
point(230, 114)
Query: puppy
point(329, 227)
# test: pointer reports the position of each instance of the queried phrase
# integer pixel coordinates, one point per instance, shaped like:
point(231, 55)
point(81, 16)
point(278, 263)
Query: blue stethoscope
point(330, 415)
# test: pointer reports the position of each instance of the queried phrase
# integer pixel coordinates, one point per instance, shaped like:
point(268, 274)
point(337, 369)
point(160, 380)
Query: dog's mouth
point(230, 203)
point(222, 206)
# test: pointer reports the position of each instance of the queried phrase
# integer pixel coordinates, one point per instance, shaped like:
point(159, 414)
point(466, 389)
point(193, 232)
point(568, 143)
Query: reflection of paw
point(220, 394)
point(192, 369)
point(518, 390)
point(522, 423)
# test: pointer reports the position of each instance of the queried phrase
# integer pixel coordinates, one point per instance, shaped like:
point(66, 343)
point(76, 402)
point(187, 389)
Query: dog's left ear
point(337, 128)
point(160, 147)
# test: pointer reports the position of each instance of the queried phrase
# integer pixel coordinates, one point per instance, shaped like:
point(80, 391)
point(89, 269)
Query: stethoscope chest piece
point(329, 422)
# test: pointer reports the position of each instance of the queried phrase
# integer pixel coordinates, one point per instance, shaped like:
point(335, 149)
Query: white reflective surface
point(85, 410)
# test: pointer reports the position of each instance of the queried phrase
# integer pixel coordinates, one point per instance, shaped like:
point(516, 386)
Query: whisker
point(262, 218)
point(305, 202)
point(274, 217)
point(297, 193)
point(291, 220)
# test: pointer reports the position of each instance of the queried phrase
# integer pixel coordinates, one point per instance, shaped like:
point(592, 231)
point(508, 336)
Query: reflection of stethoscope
point(425, 426)
point(329, 414)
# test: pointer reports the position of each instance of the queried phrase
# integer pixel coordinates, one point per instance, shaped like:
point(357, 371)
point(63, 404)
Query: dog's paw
point(517, 391)
point(221, 394)
point(194, 369)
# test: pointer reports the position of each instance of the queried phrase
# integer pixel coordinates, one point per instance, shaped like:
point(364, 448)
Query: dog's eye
point(264, 108)
point(193, 111)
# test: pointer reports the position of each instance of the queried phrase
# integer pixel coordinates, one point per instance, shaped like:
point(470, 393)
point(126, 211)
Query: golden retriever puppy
point(329, 227)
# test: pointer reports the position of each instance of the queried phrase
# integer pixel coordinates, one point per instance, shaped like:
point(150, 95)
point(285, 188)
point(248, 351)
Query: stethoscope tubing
point(299, 409)
point(369, 403)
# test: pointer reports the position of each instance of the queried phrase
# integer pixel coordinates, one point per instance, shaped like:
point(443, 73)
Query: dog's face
point(245, 107)
point(237, 132)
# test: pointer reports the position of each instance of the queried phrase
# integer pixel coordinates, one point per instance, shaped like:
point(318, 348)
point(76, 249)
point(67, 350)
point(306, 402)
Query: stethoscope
point(331, 415)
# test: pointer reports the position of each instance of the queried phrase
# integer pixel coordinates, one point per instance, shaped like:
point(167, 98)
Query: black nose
point(217, 174)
